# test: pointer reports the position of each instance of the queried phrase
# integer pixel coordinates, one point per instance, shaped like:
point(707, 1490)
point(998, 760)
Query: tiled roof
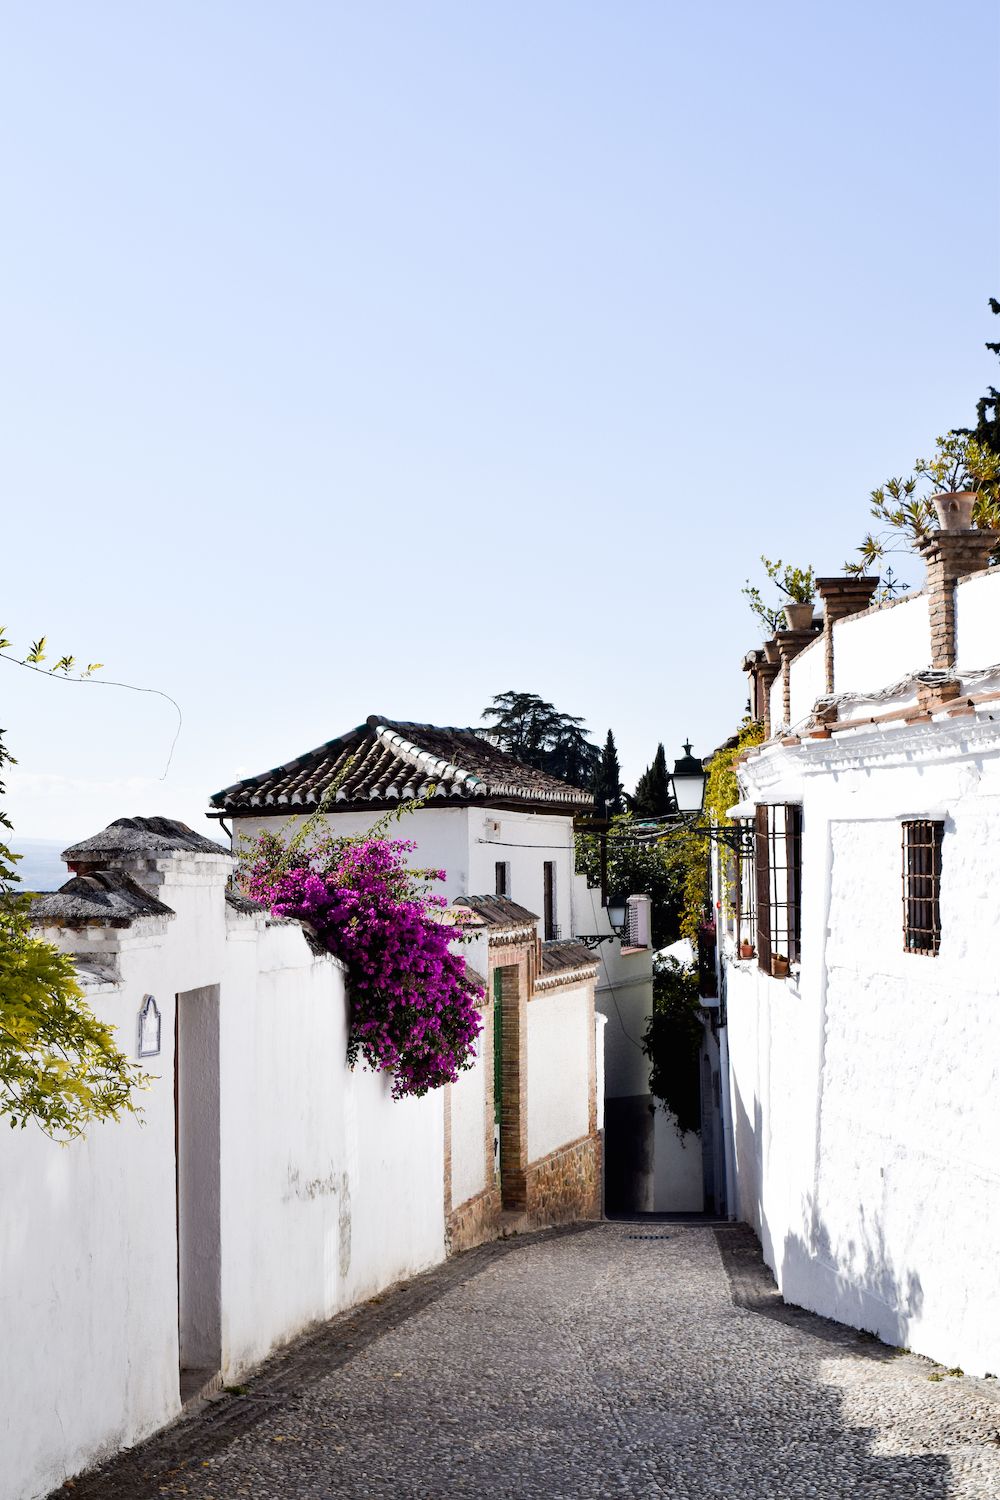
point(498, 911)
point(108, 898)
point(381, 763)
point(130, 837)
point(566, 957)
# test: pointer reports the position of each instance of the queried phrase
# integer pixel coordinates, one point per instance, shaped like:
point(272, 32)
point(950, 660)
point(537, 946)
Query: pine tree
point(987, 428)
point(537, 734)
point(608, 792)
point(651, 798)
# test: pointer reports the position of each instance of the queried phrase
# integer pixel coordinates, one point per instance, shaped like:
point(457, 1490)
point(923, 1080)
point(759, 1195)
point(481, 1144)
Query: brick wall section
point(474, 1221)
point(841, 597)
point(790, 643)
point(566, 1184)
point(767, 671)
point(948, 556)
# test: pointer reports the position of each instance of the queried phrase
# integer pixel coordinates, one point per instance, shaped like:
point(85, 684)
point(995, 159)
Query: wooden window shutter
point(762, 866)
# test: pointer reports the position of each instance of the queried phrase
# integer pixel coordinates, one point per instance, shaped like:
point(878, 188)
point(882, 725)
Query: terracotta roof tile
point(382, 762)
point(498, 911)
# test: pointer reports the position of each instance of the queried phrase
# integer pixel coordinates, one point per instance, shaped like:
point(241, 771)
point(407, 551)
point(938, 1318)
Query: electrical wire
point(15, 661)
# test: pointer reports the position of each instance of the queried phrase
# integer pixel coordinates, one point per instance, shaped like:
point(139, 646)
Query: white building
point(268, 1186)
point(862, 1033)
point(497, 827)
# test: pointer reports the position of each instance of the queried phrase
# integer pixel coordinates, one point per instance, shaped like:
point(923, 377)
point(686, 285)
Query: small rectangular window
point(778, 872)
point(549, 899)
point(922, 842)
point(503, 877)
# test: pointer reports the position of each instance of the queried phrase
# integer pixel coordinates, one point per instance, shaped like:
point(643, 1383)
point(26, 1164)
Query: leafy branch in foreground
point(59, 1065)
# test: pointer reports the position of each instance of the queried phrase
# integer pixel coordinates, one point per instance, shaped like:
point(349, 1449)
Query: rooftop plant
point(904, 505)
point(794, 585)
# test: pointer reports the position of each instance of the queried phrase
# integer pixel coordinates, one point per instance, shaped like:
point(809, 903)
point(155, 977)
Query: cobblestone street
point(605, 1360)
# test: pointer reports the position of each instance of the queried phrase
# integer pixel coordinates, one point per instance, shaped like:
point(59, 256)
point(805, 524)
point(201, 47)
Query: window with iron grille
point(778, 879)
point(922, 842)
point(549, 899)
point(503, 877)
point(744, 888)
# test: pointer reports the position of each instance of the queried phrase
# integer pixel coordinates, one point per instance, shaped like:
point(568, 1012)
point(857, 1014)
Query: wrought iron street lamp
point(689, 782)
point(617, 910)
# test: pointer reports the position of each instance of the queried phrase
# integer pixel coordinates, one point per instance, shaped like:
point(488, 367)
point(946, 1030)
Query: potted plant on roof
point(963, 476)
point(956, 490)
point(797, 588)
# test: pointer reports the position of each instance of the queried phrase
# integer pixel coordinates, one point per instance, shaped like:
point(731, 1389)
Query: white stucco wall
point(807, 679)
point(866, 1090)
point(468, 1131)
point(559, 1024)
point(467, 843)
point(977, 602)
point(881, 646)
point(776, 701)
point(326, 1189)
point(678, 1185)
point(87, 1369)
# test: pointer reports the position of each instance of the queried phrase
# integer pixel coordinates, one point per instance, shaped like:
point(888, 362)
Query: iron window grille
point(922, 842)
point(745, 891)
point(778, 879)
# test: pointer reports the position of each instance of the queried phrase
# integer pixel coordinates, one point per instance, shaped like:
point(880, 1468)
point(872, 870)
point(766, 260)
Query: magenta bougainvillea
point(414, 1008)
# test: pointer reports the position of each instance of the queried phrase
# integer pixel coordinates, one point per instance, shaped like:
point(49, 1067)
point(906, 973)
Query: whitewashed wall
point(877, 648)
point(808, 679)
point(326, 1189)
point(467, 843)
point(559, 1068)
point(976, 604)
point(866, 1089)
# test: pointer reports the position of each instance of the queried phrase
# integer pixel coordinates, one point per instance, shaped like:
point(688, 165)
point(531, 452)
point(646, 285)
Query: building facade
point(858, 961)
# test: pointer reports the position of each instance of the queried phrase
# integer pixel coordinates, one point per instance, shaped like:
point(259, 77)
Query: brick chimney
point(790, 643)
point(841, 597)
point(948, 556)
point(761, 674)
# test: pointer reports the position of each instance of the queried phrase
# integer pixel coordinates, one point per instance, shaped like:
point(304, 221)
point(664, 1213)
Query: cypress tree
point(651, 798)
point(608, 791)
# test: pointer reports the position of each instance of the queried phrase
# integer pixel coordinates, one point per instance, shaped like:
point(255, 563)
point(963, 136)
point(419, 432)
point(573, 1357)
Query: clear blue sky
point(376, 358)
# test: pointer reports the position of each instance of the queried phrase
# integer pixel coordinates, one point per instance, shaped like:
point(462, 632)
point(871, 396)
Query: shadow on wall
point(850, 1464)
point(855, 1281)
point(628, 1155)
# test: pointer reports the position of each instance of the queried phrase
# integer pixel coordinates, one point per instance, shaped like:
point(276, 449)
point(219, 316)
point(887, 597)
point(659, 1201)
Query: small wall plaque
point(149, 1028)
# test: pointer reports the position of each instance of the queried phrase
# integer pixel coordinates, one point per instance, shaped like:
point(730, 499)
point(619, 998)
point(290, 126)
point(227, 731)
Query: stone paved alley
point(603, 1360)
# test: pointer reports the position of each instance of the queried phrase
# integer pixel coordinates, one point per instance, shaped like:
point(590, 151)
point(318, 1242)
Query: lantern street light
point(617, 910)
point(689, 782)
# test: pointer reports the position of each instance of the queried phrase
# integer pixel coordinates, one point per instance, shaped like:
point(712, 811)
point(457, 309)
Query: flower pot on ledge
point(746, 949)
point(771, 652)
point(799, 616)
point(954, 509)
point(779, 966)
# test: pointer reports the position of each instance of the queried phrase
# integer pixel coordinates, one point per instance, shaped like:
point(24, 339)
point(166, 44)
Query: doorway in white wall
point(199, 1239)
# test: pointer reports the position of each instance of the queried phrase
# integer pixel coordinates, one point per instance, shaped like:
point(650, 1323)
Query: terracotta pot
point(746, 950)
point(954, 509)
point(771, 652)
point(799, 616)
point(779, 966)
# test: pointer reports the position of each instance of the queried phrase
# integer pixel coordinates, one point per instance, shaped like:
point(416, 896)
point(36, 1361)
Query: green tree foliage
point(672, 1042)
point(608, 792)
point(651, 798)
point(59, 1065)
point(987, 428)
point(538, 734)
point(638, 867)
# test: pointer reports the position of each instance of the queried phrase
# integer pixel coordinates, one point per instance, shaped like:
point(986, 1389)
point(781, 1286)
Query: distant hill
point(40, 868)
